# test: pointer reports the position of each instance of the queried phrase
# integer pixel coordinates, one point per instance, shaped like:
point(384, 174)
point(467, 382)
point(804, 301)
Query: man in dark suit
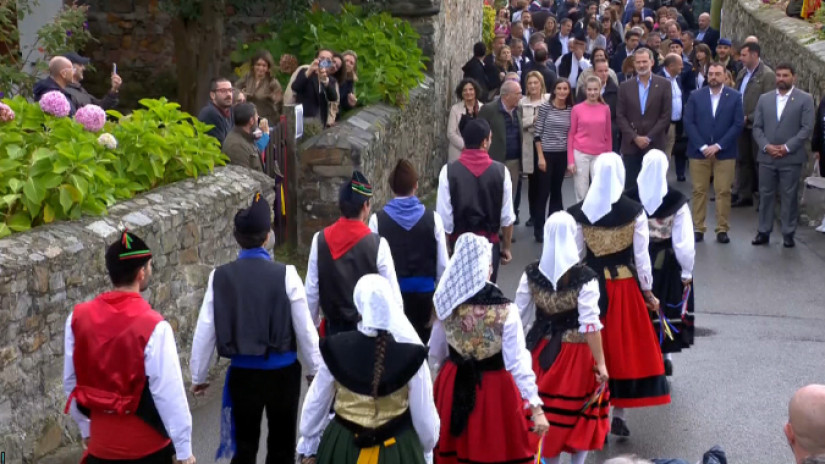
point(782, 124)
point(643, 114)
point(673, 72)
point(631, 42)
point(540, 64)
point(558, 45)
point(474, 69)
point(705, 33)
point(491, 71)
point(519, 60)
point(754, 79)
point(517, 33)
point(713, 120)
point(610, 93)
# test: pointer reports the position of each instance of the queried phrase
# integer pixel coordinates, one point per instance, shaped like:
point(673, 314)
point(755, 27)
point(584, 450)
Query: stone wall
point(45, 271)
point(781, 38)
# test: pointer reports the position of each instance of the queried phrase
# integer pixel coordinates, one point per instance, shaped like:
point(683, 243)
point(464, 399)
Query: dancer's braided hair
point(378, 368)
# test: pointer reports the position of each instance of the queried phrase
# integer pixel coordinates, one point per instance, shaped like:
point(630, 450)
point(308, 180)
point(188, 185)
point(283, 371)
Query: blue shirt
point(643, 92)
point(511, 125)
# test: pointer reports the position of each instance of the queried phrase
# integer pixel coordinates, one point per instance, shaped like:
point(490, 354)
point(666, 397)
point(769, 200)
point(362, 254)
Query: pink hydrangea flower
point(92, 117)
point(6, 113)
point(55, 103)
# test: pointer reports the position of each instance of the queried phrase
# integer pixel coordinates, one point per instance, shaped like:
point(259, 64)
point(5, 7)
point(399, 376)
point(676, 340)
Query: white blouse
point(517, 360)
point(683, 242)
point(588, 306)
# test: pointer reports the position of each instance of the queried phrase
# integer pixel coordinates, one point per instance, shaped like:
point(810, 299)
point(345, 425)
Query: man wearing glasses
point(218, 112)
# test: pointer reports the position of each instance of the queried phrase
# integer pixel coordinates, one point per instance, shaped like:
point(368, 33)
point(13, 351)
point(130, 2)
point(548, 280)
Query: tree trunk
point(198, 53)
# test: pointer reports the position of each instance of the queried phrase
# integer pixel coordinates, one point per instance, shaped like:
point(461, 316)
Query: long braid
point(378, 368)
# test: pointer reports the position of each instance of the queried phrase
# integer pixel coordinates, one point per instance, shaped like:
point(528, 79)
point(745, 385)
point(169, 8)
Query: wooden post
point(291, 160)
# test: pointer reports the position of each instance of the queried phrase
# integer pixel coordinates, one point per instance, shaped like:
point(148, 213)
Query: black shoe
point(698, 237)
point(722, 237)
point(517, 221)
point(619, 427)
point(788, 242)
point(761, 239)
point(734, 197)
point(668, 367)
point(539, 238)
point(529, 223)
point(681, 178)
point(742, 203)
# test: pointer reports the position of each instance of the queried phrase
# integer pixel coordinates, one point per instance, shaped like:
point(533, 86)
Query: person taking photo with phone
point(315, 88)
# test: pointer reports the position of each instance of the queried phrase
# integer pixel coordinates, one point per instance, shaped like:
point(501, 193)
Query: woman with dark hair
point(465, 110)
point(702, 57)
point(551, 128)
point(635, 20)
point(260, 88)
point(612, 37)
point(377, 381)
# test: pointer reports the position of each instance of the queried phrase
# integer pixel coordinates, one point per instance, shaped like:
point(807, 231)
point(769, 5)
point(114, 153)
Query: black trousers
point(549, 185)
point(632, 168)
point(163, 456)
point(419, 310)
point(278, 391)
point(532, 192)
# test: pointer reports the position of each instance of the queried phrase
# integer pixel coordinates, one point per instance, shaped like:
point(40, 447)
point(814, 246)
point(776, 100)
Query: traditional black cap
point(76, 59)
point(254, 219)
point(357, 190)
point(677, 42)
point(127, 254)
point(725, 41)
point(475, 132)
point(580, 36)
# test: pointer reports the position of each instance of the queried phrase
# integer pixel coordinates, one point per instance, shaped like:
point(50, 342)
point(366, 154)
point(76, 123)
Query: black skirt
point(668, 288)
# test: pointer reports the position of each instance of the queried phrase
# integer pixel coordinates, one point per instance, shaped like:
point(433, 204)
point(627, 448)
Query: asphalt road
point(760, 336)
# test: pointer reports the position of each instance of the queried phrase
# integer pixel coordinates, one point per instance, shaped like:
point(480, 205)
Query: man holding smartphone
point(79, 96)
point(315, 88)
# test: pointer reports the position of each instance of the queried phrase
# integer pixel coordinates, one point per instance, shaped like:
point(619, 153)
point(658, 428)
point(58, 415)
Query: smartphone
point(114, 68)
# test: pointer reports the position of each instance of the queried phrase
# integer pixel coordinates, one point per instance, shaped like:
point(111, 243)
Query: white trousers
point(584, 172)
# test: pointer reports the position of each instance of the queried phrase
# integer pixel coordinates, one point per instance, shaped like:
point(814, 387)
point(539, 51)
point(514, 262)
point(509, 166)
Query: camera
point(326, 64)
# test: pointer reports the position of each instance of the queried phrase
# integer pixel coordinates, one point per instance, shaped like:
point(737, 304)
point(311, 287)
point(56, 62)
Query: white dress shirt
point(746, 79)
point(306, 336)
point(444, 206)
point(676, 97)
point(517, 360)
point(641, 255)
point(781, 101)
point(441, 243)
point(588, 301)
point(162, 367)
point(683, 241)
point(715, 98)
point(565, 44)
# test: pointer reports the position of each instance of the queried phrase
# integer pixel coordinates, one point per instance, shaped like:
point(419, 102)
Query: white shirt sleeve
point(373, 223)
point(589, 308)
point(524, 302)
point(315, 413)
point(422, 408)
point(580, 245)
point(683, 243)
point(517, 360)
point(203, 343)
point(641, 255)
point(312, 282)
point(70, 378)
point(439, 349)
point(305, 332)
point(508, 216)
point(443, 203)
point(162, 366)
point(386, 267)
point(441, 244)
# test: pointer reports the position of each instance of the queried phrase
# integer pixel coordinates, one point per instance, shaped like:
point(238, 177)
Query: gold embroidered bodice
point(474, 331)
point(360, 409)
point(604, 241)
point(551, 303)
point(661, 229)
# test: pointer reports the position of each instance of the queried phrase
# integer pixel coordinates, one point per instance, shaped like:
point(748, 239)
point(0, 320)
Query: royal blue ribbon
point(226, 447)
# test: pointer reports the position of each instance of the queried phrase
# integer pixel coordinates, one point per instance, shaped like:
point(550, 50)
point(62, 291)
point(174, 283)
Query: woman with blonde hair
point(536, 95)
point(590, 135)
point(260, 88)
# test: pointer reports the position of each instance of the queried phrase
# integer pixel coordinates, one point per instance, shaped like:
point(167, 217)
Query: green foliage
point(53, 169)
point(68, 31)
point(488, 32)
point(390, 63)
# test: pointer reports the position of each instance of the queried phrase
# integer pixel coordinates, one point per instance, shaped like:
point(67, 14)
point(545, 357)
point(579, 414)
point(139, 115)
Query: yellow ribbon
point(370, 455)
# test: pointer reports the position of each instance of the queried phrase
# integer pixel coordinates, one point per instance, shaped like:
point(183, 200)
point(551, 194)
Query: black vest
point(337, 277)
point(253, 314)
point(671, 203)
point(621, 213)
point(476, 201)
point(414, 251)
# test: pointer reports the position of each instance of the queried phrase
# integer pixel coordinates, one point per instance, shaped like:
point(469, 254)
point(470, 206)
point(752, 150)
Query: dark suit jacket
point(554, 47)
point(793, 129)
point(710, 39)
point(474, 69)
point(617, 59)
point(762, 81)
point(610, 95)
point(656, 119)
point(818, 138)
point(703, 128)
point(491, 71)
point(548, 74)
point(493, 114)
point(566, 65)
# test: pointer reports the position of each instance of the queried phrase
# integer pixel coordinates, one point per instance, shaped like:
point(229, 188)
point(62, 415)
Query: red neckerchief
point(476, 160)
point(343, 235)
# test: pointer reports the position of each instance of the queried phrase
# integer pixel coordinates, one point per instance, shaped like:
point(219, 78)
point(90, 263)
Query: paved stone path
point(761, 334)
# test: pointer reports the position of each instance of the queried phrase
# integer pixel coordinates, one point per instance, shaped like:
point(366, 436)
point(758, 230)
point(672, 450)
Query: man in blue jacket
point(713, 119)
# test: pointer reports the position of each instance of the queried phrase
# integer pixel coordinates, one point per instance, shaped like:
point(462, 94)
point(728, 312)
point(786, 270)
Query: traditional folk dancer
point(475, 194)
point(672, 254)
point(121, 370)
point(377, 380)
point(559, 303)
point(343, 253)
point(483, 389)
point(613, 235)
point(418, 245)
point(255, 311)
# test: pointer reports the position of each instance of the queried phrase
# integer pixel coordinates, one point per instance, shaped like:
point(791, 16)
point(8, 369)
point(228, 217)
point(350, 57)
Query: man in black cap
point(121, 370)
point(576, 61)
point(475, 195)
point(255, 311)
point(79, 96)
point(343, 253)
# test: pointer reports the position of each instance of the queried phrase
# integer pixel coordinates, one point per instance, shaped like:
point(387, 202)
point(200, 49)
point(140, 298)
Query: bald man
point(805, 429)
point(705, 33)
point(751, 39)
point(60, 75)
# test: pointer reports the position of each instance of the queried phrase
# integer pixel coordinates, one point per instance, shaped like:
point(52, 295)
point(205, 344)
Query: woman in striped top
point(551, 128)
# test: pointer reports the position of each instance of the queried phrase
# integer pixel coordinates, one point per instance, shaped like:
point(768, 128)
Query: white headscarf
point(560, 252)
point(652, 180)
point(381, 310)
point(466, 273)
point(607, 186)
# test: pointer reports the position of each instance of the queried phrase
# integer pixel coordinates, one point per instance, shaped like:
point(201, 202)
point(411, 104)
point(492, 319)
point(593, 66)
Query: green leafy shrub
point(52, 168)
point(390, 63)
point(488, 32)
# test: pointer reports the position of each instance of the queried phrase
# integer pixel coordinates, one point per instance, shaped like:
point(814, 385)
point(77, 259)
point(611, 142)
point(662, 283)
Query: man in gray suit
point(782, 124)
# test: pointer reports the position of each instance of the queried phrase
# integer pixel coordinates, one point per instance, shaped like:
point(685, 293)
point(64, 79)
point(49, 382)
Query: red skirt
point(565, 388)
point(497, 429)
point(631, 349)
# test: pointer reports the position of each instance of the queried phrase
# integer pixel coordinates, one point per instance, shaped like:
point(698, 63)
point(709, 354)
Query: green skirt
point(338, 447)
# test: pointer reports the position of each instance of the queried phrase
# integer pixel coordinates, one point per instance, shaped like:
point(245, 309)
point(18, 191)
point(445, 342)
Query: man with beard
point(218, 112)
point(723, 55)
point(121, 370)
point(80, 97)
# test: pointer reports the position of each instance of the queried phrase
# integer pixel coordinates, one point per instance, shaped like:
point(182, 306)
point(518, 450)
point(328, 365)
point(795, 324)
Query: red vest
point(111, 333)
